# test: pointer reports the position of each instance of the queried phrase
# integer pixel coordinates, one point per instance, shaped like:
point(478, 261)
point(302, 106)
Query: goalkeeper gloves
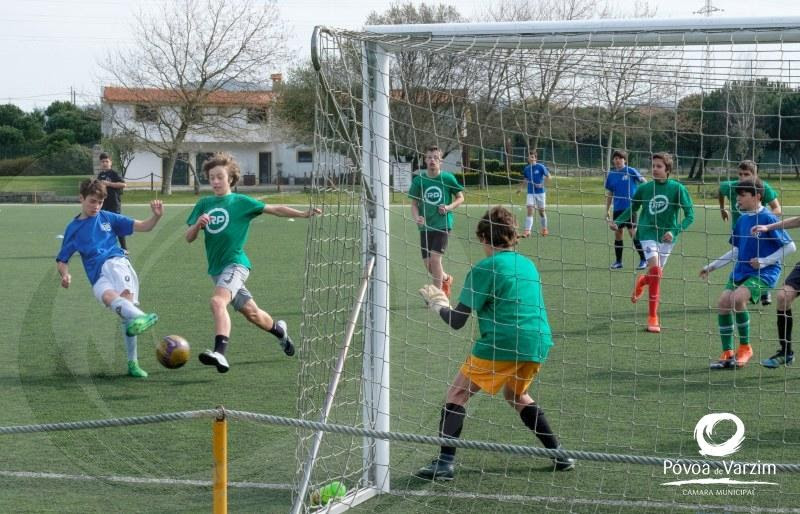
point(434, 298)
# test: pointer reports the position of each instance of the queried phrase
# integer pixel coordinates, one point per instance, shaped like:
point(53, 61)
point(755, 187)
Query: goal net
point(710, 92)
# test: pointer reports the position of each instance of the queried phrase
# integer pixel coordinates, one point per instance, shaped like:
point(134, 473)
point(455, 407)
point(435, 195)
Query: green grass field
point(608, 386)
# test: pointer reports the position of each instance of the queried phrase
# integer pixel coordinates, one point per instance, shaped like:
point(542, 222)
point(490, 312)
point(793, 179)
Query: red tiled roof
point(171, 96)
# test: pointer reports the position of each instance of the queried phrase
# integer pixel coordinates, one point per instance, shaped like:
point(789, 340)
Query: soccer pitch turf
point(608, 386)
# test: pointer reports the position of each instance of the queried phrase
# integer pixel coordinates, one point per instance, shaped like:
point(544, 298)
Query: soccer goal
point(627, 403)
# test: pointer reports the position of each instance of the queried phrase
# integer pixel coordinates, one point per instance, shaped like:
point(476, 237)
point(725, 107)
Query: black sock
point(122, 243)
point(638, 246)
point(618, 246)
point(220, 344)
point(450, 425)
point(785, 330)
point(534, 419)
point(277, 331)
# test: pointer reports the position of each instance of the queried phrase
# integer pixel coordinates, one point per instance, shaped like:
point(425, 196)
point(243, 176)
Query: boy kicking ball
point(757, 268)
point(94, 234)
point(225, 220)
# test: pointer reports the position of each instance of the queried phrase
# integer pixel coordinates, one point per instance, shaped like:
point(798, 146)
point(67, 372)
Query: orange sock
point(654, 290)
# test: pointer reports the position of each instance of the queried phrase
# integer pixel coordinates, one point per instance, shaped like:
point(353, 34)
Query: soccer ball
point(172, 351)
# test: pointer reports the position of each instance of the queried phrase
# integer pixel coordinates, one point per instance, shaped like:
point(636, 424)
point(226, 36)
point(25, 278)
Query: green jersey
point(661, 203)
point(728, 189)
point(430, 193)
point(226, 234)
point(505, 292)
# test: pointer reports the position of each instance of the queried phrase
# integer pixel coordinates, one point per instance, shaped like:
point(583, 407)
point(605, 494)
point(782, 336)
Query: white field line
point(430, 494)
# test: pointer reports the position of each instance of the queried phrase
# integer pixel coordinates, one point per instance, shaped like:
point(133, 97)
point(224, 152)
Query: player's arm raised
point(784, 224)
point(284, 211)
point(147, 225)
point(200, 224)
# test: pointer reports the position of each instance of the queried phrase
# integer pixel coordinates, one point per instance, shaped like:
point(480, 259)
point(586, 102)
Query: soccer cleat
point(653, 324)
point(726, 361)
point(766, 299)
point(545, 232)
point(638, 289)
point(139, 324)
point(437, 470)
point(743, 355)
point(526, 233)
point(285, 341)
point(210, 358)
point(642, 264)
point(135, 371)
point(447, 285)
point(779, 358)
point(616, 265)
point(563, 463)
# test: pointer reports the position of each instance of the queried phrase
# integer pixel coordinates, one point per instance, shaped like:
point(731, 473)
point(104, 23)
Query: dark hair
point(103, 156)
point(497, 227)
point(533, 152)
point(93, 187)
point(665, 158)
point(225, 160)
point(620, 153)
point(752, 187)
point(433, 148)
point(750, 166)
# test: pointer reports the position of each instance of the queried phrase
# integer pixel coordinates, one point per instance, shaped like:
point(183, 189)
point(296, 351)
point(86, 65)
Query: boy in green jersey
point(748, 170)
point(225, 219)
point(660, 200)
point(434, 194)
point(505, 291)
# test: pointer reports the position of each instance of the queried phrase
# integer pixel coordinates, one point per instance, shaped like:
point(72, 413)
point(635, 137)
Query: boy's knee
point(218, 302)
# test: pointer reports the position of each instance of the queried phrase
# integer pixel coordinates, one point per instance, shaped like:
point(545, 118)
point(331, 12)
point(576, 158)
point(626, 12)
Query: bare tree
point(191, 50)
point(123, 147)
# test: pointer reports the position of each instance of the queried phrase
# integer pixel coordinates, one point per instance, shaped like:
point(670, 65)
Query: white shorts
point(654, 248)
point(537, 200)
point(117, 275)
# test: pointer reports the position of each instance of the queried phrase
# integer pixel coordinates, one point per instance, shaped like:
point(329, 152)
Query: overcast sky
point(48, 47)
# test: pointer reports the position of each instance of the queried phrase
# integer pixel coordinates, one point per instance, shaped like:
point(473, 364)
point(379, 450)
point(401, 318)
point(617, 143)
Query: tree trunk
point(196, 179)
point(691, 169)
point(482, 183)
point(166, 180)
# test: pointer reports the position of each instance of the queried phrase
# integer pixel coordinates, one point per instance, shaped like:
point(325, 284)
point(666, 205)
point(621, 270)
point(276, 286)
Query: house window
point(257, 115)
point(146, 113)
point(305, 156)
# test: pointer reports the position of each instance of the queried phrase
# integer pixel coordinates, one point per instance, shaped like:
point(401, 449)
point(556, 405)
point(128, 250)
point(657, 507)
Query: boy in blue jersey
point(536, 176)
point(757, 267)
point(93, 234)
point(621, 183)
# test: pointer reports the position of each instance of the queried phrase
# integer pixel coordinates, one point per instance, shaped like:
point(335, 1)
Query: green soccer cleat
point(139, 324)
point(135, 371)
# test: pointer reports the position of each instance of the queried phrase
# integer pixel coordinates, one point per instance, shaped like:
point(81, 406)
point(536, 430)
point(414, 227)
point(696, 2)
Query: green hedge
point(496, 166)
point(493, 179)
point(17, 166)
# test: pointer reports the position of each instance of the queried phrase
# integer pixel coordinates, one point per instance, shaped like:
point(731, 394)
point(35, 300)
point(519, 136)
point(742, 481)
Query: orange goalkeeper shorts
point(491, 376)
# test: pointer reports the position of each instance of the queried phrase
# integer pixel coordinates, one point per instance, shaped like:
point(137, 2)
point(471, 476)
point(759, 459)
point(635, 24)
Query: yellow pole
point(220, 450)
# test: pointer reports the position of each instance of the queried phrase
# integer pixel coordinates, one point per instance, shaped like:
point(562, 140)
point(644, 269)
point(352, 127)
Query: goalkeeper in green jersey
point(505, 291)
point(661, 202)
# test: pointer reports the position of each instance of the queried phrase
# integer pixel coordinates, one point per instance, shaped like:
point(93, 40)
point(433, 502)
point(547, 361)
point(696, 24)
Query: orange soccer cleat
point(743, 355)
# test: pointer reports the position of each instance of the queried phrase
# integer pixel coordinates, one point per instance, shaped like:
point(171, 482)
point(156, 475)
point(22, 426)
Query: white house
point(248, 133)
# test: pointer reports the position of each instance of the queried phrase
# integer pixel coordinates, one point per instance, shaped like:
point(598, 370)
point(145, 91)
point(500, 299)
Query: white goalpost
point(710, 91)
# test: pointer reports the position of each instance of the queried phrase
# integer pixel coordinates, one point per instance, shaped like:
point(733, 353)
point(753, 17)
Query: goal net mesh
point(608, 386)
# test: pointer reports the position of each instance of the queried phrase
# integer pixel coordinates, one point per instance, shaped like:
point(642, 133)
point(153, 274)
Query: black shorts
point(433, 241)
point(624, 224)
point(793, 280)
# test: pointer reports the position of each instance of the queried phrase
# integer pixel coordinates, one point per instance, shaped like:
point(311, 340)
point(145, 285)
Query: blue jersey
point(535, 174)
point(622, 184)
point(751, 246)
point(95, 239)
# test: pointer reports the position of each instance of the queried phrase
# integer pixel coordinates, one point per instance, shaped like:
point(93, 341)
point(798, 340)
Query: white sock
point(528, 222)
point(125, 309)
point(130, 345)
point(543, 219)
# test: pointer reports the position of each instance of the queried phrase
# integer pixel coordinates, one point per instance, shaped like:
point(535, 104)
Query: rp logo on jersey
point(219, 219)
point(658, 204)
point(433, 195)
